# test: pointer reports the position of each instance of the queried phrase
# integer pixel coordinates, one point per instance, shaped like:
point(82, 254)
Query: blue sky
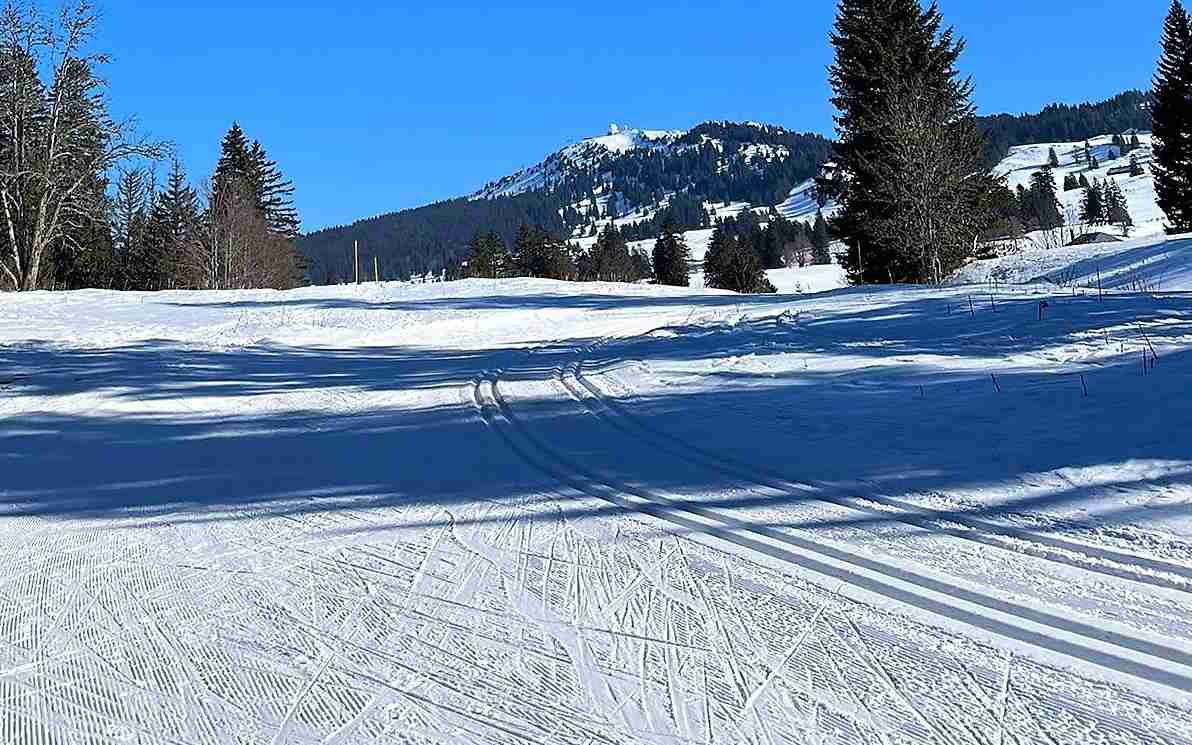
point(373, 107)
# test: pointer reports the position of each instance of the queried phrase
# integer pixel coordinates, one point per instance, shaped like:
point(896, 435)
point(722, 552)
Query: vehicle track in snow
point(1097, 559)
point(1113, 651)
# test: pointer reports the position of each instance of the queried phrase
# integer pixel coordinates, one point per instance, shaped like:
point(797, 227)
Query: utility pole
point(376, 270)
point(356, 259)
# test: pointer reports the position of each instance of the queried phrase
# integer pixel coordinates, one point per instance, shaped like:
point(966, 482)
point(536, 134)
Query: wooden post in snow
point(356, 259)
point(376, 270)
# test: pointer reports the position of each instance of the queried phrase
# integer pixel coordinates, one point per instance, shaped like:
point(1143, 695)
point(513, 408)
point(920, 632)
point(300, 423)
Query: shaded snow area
point(522, 511)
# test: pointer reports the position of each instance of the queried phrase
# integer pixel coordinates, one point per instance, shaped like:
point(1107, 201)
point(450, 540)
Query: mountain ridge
point(653, 174)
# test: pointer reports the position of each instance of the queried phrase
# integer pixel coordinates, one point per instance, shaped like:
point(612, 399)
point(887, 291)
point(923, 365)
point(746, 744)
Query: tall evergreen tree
point(134, 196)
point(235, 161)
point(909, 151)
point(1172, 115)
point(275, 193)
point(1052, 158)
point(538, 253)
point(1117, 210)
point(610, 260)
point(821, 240)
point(488, 257)
point(1042, 208)
point(1092, 207)
point(672, 258)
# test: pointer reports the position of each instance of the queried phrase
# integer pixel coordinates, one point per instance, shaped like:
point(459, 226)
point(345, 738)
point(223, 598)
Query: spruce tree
point(1092, 207)
point(275, 194)
point(611, 260)
point(177, 213)
point(488, 257)
point(235, 162)
point(909, 152)
point(538, 253)
point(1117, 210)
point(134, 196)
point(1052, 158)
point(1172, 113)
point(1042, 208)
point(821, 240)
point(672, 258)
point(732, 264)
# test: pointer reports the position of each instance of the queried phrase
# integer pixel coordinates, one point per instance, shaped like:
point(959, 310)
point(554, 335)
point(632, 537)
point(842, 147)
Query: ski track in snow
point(545, 584)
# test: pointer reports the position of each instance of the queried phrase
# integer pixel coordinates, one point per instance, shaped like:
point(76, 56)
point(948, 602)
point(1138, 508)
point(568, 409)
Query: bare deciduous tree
point(235, 248)
point(54, 139)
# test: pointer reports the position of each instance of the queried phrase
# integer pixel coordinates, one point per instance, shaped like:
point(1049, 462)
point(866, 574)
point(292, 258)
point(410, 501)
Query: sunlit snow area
point(528, 511)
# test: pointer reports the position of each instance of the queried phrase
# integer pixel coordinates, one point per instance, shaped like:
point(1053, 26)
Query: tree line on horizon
point(740, 251)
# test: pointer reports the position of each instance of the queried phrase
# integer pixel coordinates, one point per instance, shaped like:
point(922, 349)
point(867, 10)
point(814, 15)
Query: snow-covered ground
point(528, 511)
point(1024, 161)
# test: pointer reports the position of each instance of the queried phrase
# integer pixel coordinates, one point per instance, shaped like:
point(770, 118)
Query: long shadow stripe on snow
point(499, 416)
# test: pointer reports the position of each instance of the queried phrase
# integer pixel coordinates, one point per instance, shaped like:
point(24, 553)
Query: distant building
point(1090, 238)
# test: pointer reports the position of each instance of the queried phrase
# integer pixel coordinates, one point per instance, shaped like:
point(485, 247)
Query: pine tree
point(732, 264)
point(235, 161)
point(275, 194)
point(1172, 113)
point(1042, 208)
point(1117, 210)
point(672, 258)
point(1052, 158)
point(133, 198)
point(610, 260)
point(177, 216)
point(488, 257)
point(821, 240)
point(538, 253)
point(1092, 207)
point(909, 152)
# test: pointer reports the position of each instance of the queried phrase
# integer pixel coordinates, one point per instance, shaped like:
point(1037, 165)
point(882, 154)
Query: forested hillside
point(662, 175)
point(1065, 123)
point(652, 177)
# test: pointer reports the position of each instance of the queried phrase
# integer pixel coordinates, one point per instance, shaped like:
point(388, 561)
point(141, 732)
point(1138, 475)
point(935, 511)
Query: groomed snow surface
point(523, 511)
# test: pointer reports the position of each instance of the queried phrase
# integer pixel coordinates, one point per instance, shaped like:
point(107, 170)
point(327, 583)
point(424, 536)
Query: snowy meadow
point(502, 511)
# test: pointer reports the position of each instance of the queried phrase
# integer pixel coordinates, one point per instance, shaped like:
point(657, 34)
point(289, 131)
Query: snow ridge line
point(1108, 650)
point(1141, 569)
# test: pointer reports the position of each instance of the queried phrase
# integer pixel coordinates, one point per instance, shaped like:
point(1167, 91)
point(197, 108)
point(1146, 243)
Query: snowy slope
point(532, 511)
point(1024, 161)
point(578, 156)
point(1149, 264)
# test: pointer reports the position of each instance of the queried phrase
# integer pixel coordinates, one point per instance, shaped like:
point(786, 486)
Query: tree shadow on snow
point(906, 423)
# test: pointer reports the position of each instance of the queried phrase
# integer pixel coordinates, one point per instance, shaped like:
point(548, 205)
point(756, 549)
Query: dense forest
point(1065, 123)
point(714, 162)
